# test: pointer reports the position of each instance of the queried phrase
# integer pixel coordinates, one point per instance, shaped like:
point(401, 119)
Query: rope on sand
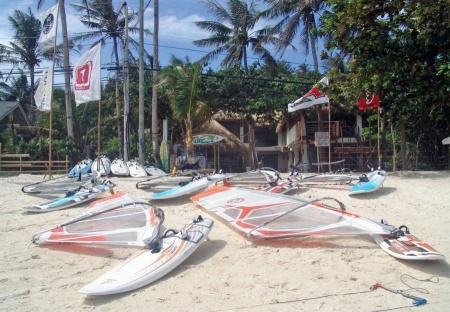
point(433, 279)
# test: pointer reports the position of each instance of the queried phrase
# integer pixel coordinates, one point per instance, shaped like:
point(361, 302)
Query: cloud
point(174, 28)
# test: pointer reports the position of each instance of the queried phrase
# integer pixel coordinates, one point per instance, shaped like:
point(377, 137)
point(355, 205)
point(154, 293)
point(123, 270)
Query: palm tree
point(17, 90)
point(181, 82)
point(234, 40)
point(296, 16)
point(23, 50)
point(233, 33)
point(107, 24)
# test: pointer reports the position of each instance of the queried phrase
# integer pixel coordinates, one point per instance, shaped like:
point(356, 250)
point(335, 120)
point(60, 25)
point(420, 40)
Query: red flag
point(313, 97)
point(370, 101)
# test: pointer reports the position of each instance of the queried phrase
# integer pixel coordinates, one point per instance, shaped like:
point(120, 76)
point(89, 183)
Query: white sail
point(120, 219)
point(263, 214)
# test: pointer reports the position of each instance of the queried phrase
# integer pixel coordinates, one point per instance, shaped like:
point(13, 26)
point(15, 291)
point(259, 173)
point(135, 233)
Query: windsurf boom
point(120, 219)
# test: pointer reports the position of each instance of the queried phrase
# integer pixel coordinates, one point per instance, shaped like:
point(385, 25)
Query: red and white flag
point(370, 101)
point(313, 97)
point(87, 76)
point(43, 94)
point(49, 25)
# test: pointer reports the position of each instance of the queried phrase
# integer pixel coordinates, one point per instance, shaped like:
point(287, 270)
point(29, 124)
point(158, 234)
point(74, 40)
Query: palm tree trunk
point(141, 84)
point(155, 82)
point(245, 62)
point(119, 127)
point(403, 142)
point(312, 40)
point(69, 116)
point(33, 106)
point(394, 149)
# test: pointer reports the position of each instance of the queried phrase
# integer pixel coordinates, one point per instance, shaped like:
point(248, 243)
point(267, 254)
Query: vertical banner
point(43, 94)
point(87, 76)
point(49, 25)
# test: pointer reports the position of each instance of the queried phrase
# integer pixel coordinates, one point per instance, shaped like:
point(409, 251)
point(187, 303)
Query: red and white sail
point(265, 215)
point(120, 219)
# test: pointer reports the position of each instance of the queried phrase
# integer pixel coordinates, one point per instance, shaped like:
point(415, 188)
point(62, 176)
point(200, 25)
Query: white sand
point(229, 272)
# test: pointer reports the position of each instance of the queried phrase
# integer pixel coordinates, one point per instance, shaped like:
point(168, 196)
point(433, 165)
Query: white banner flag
point(87, 76)
point(313, 97)
point(43, 95)
point(49, 24)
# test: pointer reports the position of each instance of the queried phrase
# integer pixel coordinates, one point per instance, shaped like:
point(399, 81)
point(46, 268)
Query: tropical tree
point(108, 24)
point(23, 50)
point(233, 33)
point(297, 17)
point(298, 21)
point(396, 49)
point(17, 90)
point(180, 82)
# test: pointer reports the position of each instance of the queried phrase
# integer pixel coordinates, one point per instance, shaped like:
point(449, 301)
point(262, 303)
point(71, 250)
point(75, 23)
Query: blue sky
point(177, 30)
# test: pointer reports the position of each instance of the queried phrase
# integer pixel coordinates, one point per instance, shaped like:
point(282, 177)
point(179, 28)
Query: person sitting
point(261, 163)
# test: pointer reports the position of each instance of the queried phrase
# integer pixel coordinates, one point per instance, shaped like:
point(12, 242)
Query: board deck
point(407, 247)
point(105, 165)
point(83, 166)
point(375, 181)
point(189, 188)
point(81, 196)
point(147, 266)
point(120, 168)
point(154, 171)
point(136, 169)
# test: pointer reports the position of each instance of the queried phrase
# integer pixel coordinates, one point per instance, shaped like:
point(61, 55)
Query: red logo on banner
point(371, 101)
point(83, 76)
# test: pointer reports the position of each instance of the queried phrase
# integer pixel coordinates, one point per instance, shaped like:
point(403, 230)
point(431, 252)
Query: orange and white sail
point(120, 219)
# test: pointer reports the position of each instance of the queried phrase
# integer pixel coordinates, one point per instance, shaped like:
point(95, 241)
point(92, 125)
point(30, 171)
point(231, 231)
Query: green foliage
point(38, 149)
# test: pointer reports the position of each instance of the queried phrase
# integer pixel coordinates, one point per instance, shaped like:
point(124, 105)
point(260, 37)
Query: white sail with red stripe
point(120, 219)
point(263, 214)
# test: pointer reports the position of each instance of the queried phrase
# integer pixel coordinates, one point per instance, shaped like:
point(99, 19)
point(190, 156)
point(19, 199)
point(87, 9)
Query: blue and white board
point(374, 181)
point(149, 265)
point(190, 188)
point(83, 166)
point(81, 196)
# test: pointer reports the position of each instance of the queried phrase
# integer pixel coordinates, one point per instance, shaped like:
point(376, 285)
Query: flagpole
point(51, 98)
point(98, 139)
point(379, 158)
point(329, 136)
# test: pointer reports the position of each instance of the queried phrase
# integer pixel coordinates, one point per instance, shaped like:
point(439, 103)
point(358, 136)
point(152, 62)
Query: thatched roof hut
point(231, 143)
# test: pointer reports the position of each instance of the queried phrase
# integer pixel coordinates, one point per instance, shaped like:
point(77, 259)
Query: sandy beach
point(230, 272)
